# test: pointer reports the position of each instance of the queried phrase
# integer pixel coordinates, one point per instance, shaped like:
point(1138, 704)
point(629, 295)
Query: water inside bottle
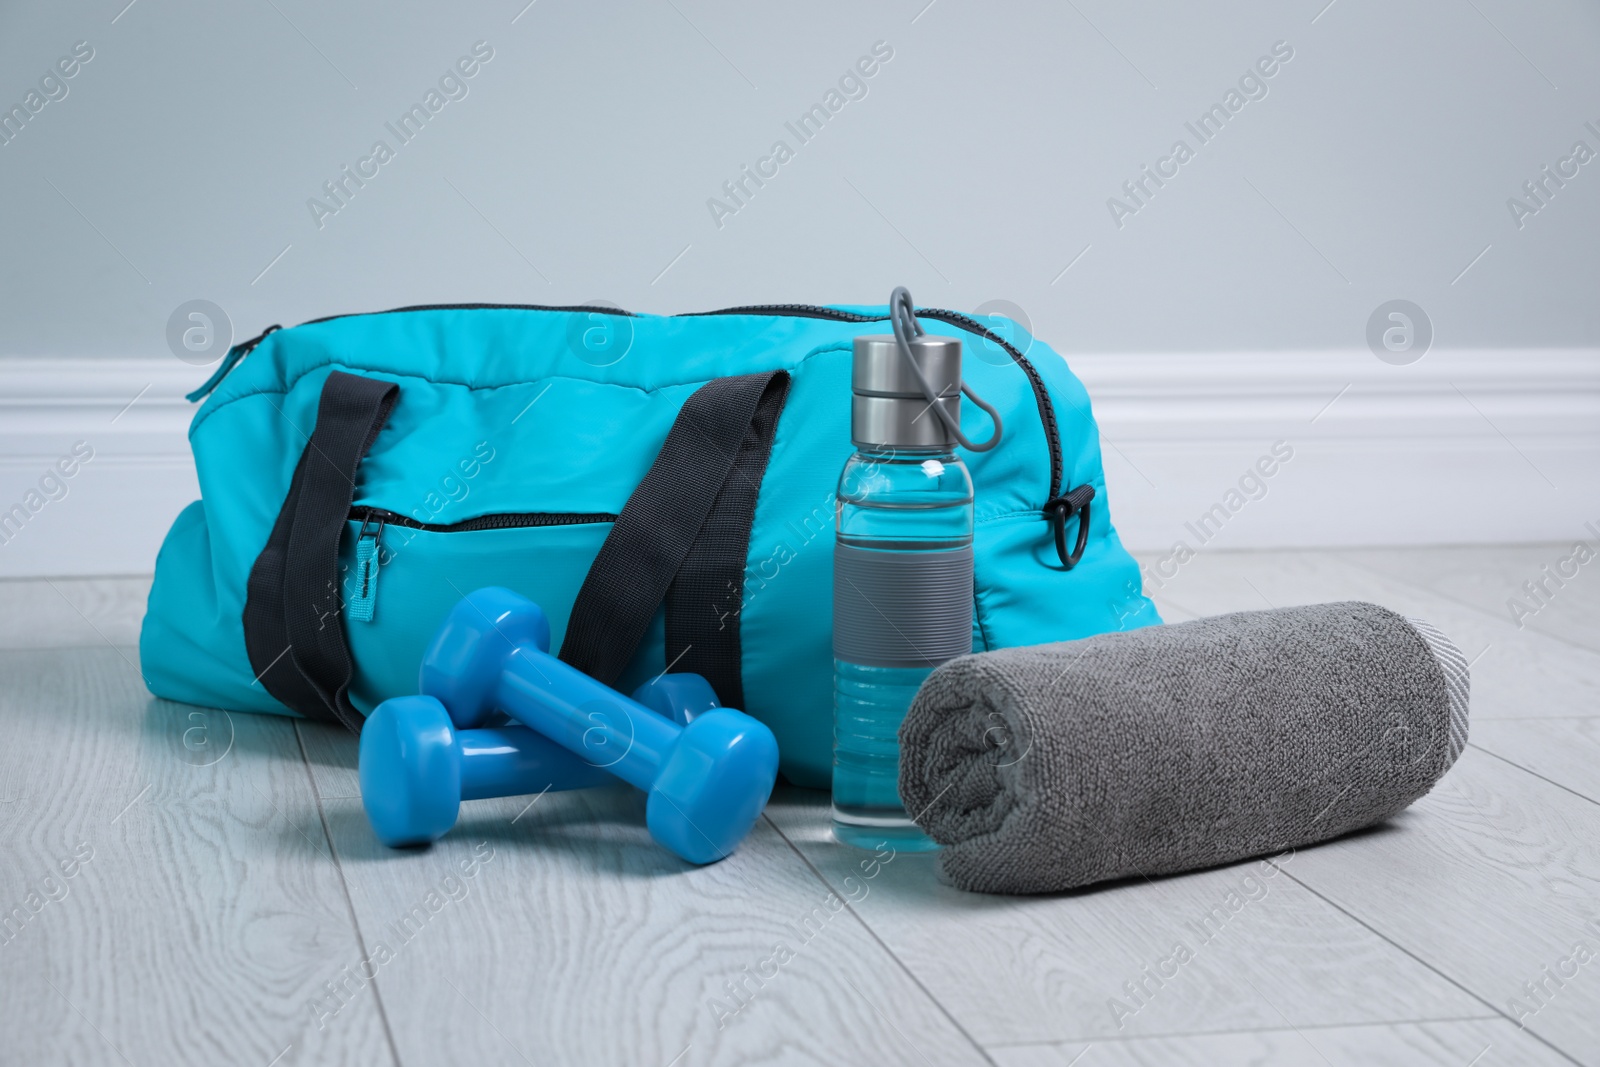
point(869, 704)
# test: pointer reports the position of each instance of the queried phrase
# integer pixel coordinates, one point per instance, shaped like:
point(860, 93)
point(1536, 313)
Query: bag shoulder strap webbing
point(683, 537)
point(293, 626)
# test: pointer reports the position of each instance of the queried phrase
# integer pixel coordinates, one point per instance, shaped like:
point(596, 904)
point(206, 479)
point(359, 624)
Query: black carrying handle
point(684, 538)
point(293, 623)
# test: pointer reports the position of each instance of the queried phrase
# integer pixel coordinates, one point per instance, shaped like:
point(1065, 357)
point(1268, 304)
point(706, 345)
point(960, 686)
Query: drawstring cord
point(903, 317)
point(1060, 510)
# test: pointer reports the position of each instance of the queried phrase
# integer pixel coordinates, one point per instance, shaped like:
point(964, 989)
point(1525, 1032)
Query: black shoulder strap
point(293, 627)
point(683, 537)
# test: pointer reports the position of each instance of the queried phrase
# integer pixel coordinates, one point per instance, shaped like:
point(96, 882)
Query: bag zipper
point(1041, 396)
point(361, 604)
point(811, 311)
point(596, 308)
point(364, 600)
point(229, 361)
point(507, 520)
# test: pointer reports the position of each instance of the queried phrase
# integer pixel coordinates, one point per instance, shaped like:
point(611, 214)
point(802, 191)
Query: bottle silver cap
point(888, 408)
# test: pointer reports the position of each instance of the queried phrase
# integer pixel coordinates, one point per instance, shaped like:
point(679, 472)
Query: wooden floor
point(199, 887)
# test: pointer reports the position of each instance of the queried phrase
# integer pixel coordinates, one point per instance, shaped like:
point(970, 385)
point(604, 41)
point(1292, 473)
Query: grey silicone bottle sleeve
point(901, 608)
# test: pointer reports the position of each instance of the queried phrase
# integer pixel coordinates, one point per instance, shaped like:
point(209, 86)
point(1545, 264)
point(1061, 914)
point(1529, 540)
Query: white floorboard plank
point(72, 612)
point(579, 941)
point(332, 754)
point(1491, 878)
point(1461, 1043)
point(1515, 673)
point(1566, 751)
point(1564, 598)
point(200, 926)
point(1055, 968)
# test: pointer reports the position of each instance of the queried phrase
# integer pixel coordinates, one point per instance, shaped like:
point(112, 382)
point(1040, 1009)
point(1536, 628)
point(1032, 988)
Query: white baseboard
point(1461, 447)
point(118, 506)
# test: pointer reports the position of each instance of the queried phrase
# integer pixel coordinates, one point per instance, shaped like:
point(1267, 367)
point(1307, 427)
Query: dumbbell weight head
point(680, 697)
point(461, 666)
point(713, 785)
point(416, 768)
point(699, 824)
point(410, 768)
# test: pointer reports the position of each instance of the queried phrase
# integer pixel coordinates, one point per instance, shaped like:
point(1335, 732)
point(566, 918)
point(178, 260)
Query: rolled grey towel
point(1174, 747)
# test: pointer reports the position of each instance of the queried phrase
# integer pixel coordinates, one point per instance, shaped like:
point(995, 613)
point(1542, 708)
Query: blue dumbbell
point(707, 781)
point(416, 768)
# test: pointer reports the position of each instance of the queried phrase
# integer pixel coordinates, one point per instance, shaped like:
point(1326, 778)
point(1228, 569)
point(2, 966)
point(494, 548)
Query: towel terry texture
point(1174, 747)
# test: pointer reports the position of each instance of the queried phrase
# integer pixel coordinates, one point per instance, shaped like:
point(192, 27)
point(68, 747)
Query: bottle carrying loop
point(903, 317)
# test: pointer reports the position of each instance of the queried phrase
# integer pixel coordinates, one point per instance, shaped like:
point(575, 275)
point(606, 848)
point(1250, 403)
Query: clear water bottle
point(902, 588)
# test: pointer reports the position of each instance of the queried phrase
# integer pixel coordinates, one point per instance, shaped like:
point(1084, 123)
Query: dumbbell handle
point(503, 761)
point(584, 716)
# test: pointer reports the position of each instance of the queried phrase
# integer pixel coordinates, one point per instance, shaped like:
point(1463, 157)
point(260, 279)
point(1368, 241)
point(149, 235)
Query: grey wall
point(978, 165)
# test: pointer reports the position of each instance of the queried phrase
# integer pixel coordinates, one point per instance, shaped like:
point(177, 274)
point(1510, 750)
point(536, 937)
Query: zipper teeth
point(476, 307)
point(810, 311)
point(244, 348)
point(506, 520)
point(250, 345)
point(1041, 395)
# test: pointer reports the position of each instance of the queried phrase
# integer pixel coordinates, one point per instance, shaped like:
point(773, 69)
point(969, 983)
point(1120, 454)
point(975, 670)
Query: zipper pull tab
point(365, 600)
point(231, 360)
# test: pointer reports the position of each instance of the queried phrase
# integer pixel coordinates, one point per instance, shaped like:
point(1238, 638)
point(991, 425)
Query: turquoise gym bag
point(662, 486)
